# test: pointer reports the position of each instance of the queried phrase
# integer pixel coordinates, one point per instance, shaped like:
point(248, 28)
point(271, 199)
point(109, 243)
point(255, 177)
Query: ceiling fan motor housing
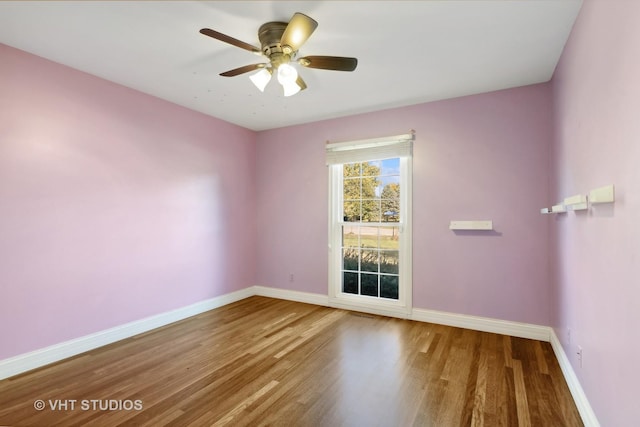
point(270, 35)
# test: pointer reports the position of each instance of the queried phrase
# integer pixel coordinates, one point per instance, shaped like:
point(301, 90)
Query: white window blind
point(369, 149)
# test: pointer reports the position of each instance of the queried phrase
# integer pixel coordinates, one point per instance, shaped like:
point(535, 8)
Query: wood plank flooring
point(263, 361)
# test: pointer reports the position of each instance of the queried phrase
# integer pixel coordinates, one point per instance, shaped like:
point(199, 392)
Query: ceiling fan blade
point(301, 83)
point(228, 39)
point(298, 30)
point(242, 70)
point(338, 63)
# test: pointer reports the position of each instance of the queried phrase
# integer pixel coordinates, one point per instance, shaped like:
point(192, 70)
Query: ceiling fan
point(280, 42)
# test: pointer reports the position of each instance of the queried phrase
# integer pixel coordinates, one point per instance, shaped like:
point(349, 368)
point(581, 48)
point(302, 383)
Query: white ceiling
point(409, 52)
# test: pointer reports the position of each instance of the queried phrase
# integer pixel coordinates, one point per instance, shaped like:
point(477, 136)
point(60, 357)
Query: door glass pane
point(350, 259)
point(350, 283)
point(352, 211)
point(369, 284)
point(350, 237)
point(369, 261)
point(370, 239)
point(371, 210)
point(389, 262)
point(389, 238)
point(371, 168)
point(390, 189)
point(390, 166)
point(351, 189)
point(389, 287)
point(351, 170)
point(369, 194)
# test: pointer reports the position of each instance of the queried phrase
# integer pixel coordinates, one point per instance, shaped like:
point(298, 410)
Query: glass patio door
point(369, 237)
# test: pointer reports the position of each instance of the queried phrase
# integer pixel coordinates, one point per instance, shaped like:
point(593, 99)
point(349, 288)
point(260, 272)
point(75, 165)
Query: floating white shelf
point(578, 207)
point(576, 203)
point(578, 199)
point(602, 195)
point(471, 225)
point(581, 202)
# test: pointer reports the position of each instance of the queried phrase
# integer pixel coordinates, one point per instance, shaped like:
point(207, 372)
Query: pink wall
point(595, 271)
point(114, 205)
point(478, 157)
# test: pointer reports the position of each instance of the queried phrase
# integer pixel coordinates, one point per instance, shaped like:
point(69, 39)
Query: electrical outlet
point(579, 353)
point(291, 277)
point(569, 335)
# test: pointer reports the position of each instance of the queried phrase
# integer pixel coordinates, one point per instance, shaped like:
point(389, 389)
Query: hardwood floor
point(263, 361)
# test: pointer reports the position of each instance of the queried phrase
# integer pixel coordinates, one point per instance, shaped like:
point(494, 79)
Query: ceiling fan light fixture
point(290, 88)
point(261, 78)
point(287, 74)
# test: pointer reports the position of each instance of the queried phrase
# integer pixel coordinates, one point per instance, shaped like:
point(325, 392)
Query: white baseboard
point(484, 324)
point(389, 311)
point(306, 297)
point(516, 329)
point(580, 398)
point(38, 358)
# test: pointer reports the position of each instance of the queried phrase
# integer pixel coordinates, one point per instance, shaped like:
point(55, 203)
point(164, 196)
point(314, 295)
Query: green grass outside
point(367, 241)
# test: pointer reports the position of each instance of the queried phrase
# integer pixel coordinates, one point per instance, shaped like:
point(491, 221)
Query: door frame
point(397, 308)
